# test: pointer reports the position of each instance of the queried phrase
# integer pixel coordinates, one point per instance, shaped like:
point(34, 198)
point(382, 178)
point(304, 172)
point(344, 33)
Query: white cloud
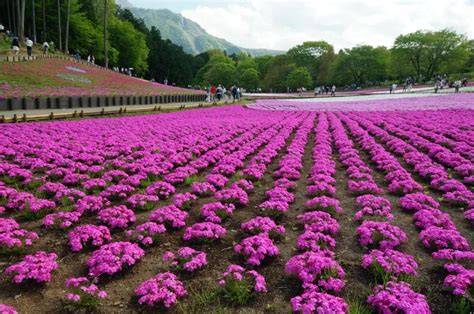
point(279, 24)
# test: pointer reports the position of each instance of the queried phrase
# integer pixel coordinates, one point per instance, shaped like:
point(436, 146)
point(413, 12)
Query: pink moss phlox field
point(164, 288)
point(394, 297)
point(452, 101)
point(238, 273)
point(112, 258)
point(187, 259)
point(37, 267)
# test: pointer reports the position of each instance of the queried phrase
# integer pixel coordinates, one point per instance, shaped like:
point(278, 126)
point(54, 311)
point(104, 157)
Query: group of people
point(221, 93)
point(441, 81)
point(325, 90)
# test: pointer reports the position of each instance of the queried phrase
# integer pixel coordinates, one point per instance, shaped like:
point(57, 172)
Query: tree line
point(117, 38)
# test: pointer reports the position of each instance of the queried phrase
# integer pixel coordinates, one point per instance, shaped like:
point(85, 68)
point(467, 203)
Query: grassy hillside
point(55, 77)
point(188, 34)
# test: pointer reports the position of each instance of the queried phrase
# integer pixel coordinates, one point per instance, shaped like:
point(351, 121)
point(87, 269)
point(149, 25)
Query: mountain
point(188, 34)
point(124, 4)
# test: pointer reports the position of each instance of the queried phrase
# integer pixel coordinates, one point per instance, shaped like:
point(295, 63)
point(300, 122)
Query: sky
point(282, 24)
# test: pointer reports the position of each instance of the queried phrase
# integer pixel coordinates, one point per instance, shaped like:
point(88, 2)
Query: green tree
point(263, 63)
point(360, 65)
point(249, 79)
point(429, 51)
point(278, 70)
point(300, 77)
point(130, 44)
point(220, 73)
point(315, 56)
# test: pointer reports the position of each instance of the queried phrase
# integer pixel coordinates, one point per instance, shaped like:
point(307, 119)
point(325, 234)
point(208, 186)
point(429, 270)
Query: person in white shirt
point(45, 48)
point(29, 46)
point(2, 28)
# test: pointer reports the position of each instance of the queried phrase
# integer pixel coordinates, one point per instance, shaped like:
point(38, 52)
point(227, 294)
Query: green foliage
point(278, 70)
point(315, 56)
point(249, 79)
point(461, 305)
point(300, 77)
point(428, 52)
point(357, 307)
point(237, 293)
point(361, 64)
point(87, 302)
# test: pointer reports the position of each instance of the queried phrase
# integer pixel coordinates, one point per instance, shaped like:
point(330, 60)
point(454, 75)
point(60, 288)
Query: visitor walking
point(92, 59)
point(213, 93)
point(45, 48)
point(436, 87)
point(219, 92)
point(234, 92)
point(457, 85)
point(16, 45)
point(333, 90)
point(29, 47)
point(2, 28)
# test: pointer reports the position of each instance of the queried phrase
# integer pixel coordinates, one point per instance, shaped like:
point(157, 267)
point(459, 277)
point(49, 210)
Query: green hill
point(188, 34)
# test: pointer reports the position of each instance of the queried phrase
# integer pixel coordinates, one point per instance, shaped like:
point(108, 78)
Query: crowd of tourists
point(221, 93)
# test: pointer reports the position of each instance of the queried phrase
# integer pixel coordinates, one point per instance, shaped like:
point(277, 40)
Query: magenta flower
point(164, 288)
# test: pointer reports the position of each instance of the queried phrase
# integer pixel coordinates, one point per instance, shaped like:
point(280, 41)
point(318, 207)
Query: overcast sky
point(280, 24)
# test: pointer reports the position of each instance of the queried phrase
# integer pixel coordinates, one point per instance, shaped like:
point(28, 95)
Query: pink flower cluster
point(12, 236)
point(117, 217)
point(238, 273)
point(216, 212)
point(380, 235)
point(263, 225)
point(186, 259)
point(88, 235)
point(37, 267)
point(146, 233)
point(257, 248)
point(61, 220)
point(171, 216)
point(81, 290)
point(112, 258)
point(164, 288)
point(204, 231)
point(398, 297)
point(460, 279)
